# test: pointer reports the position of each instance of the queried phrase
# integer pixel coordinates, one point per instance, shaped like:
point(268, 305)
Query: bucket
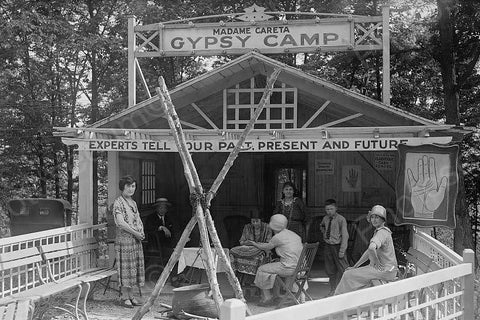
point(193, 299)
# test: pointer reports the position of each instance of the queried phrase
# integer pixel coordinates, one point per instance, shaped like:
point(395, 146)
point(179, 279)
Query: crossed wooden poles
point(201, 202)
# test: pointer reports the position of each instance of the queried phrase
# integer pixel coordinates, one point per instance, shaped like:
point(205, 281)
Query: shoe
point(127, 303)
point(135, 302)
point(301, 298)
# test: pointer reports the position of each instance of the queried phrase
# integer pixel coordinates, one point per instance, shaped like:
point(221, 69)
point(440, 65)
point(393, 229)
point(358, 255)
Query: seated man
point(158, 229)
point(380, 253)
point(246, 258)
point(288, 246)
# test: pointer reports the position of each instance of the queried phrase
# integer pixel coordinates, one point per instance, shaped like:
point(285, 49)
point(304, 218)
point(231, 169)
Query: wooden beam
point(386, 55)
point(315, 115)
point(85, 183)
point(144, 82)
point(132, 99)
point(194, 105)
point(353, 116)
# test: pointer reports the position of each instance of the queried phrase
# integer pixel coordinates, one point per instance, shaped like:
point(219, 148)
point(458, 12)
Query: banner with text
point(264, 37)
point(257, 145)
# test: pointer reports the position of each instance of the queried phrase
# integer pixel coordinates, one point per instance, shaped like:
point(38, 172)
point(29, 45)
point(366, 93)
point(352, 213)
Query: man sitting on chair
point(158, 228)
point(288, 246)
point(380, 252)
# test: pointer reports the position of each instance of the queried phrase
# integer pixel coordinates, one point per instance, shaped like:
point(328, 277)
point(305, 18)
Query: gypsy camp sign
point(257, 32)
point(427, 185)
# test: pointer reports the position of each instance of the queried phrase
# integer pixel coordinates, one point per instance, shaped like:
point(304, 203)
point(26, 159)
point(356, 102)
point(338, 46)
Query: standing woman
point(128, 242)
point(293, 208)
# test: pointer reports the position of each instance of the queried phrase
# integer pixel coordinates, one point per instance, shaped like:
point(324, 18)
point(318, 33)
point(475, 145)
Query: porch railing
point(444, 294)
point(17, 278)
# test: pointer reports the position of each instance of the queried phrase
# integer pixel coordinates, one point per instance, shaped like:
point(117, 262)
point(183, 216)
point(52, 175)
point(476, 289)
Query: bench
point(20, 309)
point(39, 265)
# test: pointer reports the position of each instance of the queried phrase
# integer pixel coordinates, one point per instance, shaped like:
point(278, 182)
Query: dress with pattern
point(296, 215)
point(128, 249)
point(247, 259)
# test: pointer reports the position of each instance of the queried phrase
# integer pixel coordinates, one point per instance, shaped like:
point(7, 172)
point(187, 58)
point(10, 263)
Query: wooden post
point(386, 54)
point(469, 286)
point(203, 218)
point(232, 309)
point(132, 80)
point(85, 182)
point(113, 176)
point(184, 238)
point(194, 184)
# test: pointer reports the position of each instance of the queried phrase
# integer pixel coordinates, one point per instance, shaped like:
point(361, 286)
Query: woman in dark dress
point(293, 208)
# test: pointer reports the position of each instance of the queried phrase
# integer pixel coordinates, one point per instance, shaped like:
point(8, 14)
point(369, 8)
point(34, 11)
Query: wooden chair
point(300, 275)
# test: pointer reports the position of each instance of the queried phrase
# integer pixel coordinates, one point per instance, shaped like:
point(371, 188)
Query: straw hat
point(377, 210)
point(162, 200)
point(278, 222)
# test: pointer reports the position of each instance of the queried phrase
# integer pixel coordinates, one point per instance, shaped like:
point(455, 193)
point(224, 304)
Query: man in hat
point(159, 229)
point(381, 254)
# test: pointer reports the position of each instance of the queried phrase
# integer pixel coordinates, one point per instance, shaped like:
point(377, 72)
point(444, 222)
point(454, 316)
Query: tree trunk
point(447, 61)
point(463, 232)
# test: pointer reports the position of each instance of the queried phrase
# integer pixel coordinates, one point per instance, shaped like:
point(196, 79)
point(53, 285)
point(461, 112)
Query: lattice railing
point(436, 250)
point(444, 294)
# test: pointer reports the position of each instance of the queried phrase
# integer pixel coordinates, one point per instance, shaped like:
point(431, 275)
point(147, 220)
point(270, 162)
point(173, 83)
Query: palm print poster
point(351, 178)
point(427, 185)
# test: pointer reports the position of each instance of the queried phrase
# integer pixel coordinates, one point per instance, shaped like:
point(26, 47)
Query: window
point(148, 182)
point(240, 102)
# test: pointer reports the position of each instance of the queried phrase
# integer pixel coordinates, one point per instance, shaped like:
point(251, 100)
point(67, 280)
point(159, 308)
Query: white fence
point(444, 294)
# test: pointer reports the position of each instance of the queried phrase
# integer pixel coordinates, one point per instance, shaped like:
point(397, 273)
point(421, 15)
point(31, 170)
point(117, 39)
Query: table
point(196, 257)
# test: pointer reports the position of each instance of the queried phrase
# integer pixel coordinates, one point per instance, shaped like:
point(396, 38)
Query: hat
point(377, 210)
point(278, 222)
point(162, 200)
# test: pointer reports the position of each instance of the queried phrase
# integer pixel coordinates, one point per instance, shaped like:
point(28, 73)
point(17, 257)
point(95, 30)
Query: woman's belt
point(296, 220)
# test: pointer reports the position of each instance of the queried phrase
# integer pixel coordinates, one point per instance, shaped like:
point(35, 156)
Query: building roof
point(345, 111)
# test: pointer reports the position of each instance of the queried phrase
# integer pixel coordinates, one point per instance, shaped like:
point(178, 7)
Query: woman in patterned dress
point(128, 242)
point(246, 259)
point(293, 208)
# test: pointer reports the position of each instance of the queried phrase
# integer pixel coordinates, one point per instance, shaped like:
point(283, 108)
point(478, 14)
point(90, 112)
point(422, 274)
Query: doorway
point(280, 168)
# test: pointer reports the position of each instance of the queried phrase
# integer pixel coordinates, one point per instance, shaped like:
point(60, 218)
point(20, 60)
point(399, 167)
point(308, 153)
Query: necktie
point(329, 227)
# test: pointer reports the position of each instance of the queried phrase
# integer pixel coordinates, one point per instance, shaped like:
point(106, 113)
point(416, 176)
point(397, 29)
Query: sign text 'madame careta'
point(257, 145)
point(266, 37)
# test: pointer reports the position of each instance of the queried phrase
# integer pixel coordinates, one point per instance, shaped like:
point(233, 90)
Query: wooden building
point(330, 141)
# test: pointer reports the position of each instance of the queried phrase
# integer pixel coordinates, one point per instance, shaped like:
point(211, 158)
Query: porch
point(447, 293)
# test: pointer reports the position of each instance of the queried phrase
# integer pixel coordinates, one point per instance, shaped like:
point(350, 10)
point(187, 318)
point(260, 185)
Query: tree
point(456, 34)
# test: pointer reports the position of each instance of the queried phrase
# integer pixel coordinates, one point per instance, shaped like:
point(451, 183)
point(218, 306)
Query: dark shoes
point(130, 303)
point(135, 302)
point(127, 303)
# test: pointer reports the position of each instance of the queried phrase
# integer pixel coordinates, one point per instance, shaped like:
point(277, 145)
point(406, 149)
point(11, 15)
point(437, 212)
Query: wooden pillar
point(232, 309)
point(132, 99)
point(113, 175)
point(469, 286)
point(386, 55)
point(85, 190)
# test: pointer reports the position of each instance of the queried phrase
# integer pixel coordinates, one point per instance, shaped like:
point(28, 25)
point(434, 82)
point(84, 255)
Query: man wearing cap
point(158, 228)
point(288, 246)
point(380, 253)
